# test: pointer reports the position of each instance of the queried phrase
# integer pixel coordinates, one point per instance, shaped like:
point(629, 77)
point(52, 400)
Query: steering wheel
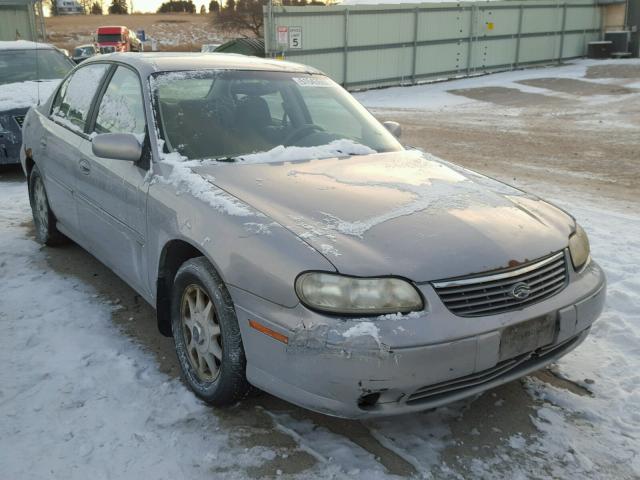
point(301, 132)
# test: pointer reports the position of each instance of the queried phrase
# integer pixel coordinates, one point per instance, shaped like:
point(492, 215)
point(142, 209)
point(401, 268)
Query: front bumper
point(401, 371)
point(11, 136)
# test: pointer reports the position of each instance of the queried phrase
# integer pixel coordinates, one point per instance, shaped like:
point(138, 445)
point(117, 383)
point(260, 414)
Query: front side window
point(212, 114)
point(121, 109)
point(72, 104)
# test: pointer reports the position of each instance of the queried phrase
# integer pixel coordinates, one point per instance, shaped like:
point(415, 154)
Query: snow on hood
point(183, 179)
point(337, 149)
point(405, 213)
point(25, 94)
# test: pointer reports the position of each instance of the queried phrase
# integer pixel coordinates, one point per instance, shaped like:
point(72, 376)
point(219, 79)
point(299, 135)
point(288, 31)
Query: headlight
point(339, 294)
point(579, 248)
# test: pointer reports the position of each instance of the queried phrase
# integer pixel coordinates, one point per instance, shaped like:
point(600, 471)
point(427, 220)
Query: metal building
point(245, 46)
point(21, 20)
point(363, 46)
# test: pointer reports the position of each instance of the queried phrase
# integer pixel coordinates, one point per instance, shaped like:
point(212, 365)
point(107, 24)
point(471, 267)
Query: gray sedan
point(288, 241)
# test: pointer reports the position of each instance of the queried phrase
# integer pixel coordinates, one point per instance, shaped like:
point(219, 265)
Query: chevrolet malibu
point(288, 241)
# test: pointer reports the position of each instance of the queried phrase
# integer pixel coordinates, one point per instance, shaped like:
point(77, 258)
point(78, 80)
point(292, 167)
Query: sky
point(144, 6)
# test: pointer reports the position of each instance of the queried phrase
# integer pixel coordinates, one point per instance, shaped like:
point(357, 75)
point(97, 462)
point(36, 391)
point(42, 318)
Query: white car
point(209, 47)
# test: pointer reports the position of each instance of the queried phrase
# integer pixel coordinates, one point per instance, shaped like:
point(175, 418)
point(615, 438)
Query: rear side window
point(72, 104)
point(121, 109)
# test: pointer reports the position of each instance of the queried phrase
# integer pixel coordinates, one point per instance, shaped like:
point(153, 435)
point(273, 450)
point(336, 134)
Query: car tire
point(206, 335)
point(43, 218)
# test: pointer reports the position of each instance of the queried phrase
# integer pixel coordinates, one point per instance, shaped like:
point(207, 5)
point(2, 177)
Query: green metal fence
point(21, 20)
point(375, 45)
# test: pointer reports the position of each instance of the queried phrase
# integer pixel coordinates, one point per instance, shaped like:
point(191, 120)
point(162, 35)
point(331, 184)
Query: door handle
point(43, 142)
point(85, 168)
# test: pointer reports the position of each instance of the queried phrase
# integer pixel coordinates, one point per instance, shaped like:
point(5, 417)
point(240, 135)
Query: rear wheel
point(43, 218)
point(206, 334)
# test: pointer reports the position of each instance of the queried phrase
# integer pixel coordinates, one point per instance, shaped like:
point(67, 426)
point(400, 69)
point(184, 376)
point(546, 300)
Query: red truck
point(117, 39)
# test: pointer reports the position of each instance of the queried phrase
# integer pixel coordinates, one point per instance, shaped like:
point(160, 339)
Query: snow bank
point(25, 94)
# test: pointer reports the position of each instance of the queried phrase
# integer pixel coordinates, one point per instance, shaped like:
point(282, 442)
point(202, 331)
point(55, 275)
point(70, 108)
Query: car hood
point(402, 213)
point(20, 95)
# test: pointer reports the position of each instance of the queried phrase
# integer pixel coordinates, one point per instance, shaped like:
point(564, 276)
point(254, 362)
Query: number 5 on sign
point(295, 37)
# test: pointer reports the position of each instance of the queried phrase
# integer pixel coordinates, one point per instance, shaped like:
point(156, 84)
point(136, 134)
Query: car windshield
point(224, 115)
point(81, 51)
point(23, 65)
point(109, 37)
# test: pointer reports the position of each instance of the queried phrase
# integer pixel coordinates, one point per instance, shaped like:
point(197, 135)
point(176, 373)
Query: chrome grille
point(19, 120)
point(496, 293)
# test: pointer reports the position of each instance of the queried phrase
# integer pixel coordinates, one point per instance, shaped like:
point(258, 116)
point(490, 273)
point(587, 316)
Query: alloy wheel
point(40, 207)
point(201, 332)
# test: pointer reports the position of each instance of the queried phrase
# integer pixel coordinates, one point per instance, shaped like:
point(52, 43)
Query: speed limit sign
point(295, 37)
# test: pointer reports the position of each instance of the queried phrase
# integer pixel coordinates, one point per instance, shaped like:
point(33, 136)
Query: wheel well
point(29, 163)
point(173, 255)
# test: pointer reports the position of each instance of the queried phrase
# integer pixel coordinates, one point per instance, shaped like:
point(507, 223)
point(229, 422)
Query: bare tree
point(53, 7)
point(241, 16)
point(96, 8)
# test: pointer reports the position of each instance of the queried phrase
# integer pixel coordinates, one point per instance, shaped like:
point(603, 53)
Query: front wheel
point(206, 335)
point(43, 218)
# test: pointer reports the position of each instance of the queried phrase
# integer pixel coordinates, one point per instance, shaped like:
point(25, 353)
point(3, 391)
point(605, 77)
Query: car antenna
point(37, 72)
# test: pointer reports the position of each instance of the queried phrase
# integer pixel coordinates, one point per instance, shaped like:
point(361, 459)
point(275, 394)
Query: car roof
point(24, 45)
point(150, 62)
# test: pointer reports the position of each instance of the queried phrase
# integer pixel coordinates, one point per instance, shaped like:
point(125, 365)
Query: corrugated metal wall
point(21, 19)
point(373, 45)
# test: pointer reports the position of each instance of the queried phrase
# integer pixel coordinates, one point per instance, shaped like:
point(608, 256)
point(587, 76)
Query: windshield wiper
point(226, 159)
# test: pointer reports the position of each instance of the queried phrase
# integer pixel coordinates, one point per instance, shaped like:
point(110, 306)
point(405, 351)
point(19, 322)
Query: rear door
point(63, 131)
point(112, 193)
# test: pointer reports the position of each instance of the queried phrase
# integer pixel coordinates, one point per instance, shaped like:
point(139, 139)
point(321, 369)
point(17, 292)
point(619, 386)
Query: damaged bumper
point(403, 364)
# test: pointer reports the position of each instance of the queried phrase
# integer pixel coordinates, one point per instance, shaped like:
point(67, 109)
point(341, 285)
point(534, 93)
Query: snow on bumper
point(349, 369)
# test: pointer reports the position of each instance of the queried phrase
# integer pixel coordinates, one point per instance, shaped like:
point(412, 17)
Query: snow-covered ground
point(80, 399)
point(437, 96)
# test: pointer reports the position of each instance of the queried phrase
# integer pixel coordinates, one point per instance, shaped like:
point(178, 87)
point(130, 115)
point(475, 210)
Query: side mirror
point(394, 128)
point(117, 146)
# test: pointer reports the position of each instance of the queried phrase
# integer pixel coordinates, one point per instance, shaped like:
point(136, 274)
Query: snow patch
point(25, 94)
point(363, 329)
point(280, 154)
point(78, 397)
point(184, 179)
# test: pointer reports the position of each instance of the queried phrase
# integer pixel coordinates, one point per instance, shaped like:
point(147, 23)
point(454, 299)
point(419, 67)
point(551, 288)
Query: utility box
point(620, 41)
point(599, 49)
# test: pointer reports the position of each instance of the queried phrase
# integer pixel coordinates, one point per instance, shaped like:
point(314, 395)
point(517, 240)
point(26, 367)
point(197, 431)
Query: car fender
point(250, 252)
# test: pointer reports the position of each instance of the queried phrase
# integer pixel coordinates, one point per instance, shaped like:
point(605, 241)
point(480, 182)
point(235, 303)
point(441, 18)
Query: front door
point(58, 146)
point(111, 198)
